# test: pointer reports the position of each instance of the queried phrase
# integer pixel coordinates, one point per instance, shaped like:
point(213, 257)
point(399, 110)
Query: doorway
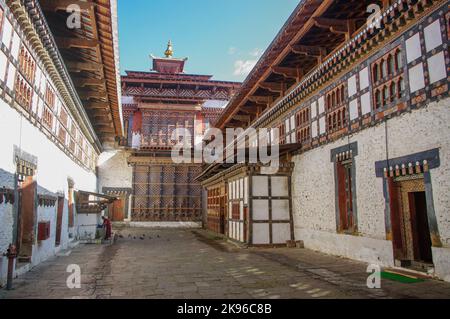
point(59, 218)
point(410, 229)
point(26, 223)
point(118, 214)
point(419, 227)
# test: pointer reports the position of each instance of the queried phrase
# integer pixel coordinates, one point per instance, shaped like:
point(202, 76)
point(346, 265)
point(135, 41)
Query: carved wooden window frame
point(388, 74)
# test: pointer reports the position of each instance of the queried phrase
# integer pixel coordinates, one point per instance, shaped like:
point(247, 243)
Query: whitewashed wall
point(54, 167)
point(113, 170)
point(314, 187)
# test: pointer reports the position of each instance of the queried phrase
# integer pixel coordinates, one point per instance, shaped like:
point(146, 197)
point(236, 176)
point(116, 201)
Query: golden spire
point(169, 51)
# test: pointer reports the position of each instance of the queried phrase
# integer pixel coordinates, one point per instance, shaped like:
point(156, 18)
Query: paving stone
point(189, 268)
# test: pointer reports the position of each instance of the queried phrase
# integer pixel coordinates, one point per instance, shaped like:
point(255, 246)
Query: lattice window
point(62, 135)
point(1, 20)
point(337, 109)
point(24, 93)
point(79, 154)
point(72, 145)
point(47, 117)
point(282, 130)
point(345, 196)
point(27, 66)
point(303, 128)
point(24, 169)
point(387, 75)
point(337, 119)
point(63, 117)
point(50, 97)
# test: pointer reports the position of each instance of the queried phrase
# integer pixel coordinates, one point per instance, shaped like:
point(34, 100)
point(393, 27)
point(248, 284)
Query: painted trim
point(353, 150)
point(431, 156)
point(433, 159)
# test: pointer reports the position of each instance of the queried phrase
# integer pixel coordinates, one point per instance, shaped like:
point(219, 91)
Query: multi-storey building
point(59, 106)
point(155, 104)
point(359, 93)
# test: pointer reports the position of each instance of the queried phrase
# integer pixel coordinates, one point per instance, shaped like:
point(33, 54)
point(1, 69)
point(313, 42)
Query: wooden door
point(419, 226)
point(118, 211)
point(27, 218)
point(59, 218)
point(396, 216)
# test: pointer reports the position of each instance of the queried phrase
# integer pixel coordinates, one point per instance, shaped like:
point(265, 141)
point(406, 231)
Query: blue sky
point(223, 38)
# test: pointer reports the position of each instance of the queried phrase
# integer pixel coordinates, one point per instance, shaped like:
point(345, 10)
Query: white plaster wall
point(42, 250)
point(54, 168)
point(113, 170)
point(422, 130)
point(6, 224)
point(314, 186)
point(87, 225)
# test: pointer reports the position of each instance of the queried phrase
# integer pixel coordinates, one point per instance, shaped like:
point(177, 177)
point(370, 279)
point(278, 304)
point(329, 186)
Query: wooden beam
point(259, 99)
point(96, 105)
point(320, 7)
point(293, 73)
point(82, 82)
point(84, 66)
point(61, 5)
point(252, 110)
point(92, 94)
point(102, 123)
point(273, 87)
point(102, 114)
point(346, 27)
point(242, 118)
point(68, 43)
point(309, 50)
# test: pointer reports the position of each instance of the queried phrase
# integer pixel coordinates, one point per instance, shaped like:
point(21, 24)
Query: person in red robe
point(108, 227)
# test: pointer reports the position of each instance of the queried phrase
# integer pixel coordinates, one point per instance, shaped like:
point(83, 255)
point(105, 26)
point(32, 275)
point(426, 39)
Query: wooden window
point(398, 60)
point(391, 65)
point(282, 129)
point(50, 97)
point(1, 21)
point(386, 72)
point(385, 95)
point(48, 118)
point(63, 117)
point(375, 73)
point(378, 99)
point(345, 196)
point(62, 135)
point(27, 66)
point(24, 93)
point(393, 92)
point(383, 69)
point(400, 87)
point(72, 145)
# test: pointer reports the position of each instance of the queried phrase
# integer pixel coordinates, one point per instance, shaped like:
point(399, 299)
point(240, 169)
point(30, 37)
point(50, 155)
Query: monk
point(108, 227)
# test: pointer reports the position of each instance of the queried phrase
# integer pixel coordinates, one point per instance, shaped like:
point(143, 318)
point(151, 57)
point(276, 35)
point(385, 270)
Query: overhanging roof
point(91, 56)
point(314, 31)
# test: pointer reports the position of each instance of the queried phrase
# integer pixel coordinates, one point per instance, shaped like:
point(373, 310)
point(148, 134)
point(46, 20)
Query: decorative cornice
point(333, 67)
point(31, 18)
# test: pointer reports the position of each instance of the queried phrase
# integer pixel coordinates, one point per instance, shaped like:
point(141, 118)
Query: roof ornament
point(169, 51)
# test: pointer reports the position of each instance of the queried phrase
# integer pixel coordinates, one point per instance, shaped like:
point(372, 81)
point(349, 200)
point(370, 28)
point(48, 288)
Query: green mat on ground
point(400, 278)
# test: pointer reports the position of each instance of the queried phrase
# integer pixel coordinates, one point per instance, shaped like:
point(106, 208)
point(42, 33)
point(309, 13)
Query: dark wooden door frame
point(59, 220)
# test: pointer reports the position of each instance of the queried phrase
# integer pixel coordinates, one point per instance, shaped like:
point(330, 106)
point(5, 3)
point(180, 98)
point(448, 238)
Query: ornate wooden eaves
point(346, 27)
point(90, 54)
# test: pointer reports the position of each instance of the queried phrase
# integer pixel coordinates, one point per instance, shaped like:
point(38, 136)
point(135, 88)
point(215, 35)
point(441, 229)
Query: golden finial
point(169, 51)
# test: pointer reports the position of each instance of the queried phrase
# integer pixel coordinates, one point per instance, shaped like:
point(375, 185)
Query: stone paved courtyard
point(191, 264)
